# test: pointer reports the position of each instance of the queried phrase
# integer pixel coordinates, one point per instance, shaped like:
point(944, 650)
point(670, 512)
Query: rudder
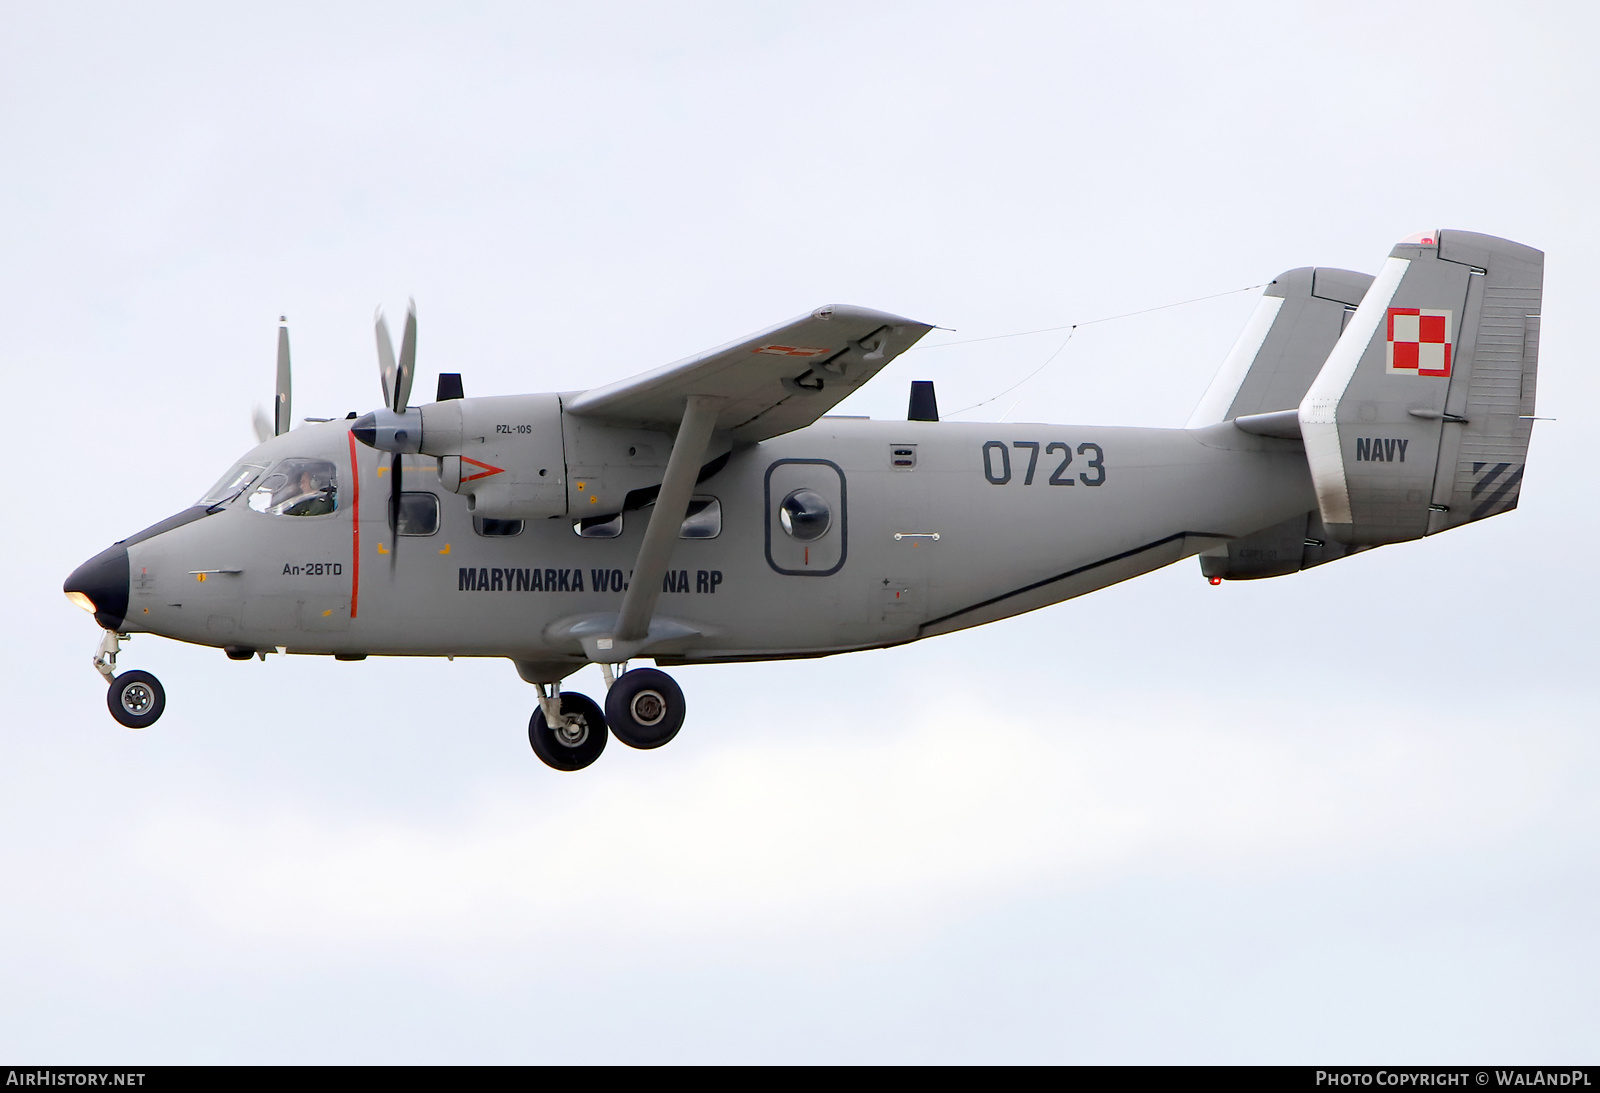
point(1481, 459)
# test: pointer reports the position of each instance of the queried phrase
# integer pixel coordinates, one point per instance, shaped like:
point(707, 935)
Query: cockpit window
point(232, 484)
point(298, 487)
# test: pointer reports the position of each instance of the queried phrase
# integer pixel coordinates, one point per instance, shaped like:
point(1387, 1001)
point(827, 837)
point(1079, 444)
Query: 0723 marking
point(997, 462)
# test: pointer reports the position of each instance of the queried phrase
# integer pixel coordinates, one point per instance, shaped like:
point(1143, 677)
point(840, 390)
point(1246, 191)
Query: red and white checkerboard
point(1418, 342)
point(789, 351)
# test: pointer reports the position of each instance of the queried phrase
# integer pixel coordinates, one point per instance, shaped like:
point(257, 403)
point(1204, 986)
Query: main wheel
point(136, 699)
point(577, 743)
point(644, 708)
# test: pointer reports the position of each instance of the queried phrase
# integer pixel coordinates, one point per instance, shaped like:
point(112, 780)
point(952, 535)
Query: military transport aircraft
point(710, 511)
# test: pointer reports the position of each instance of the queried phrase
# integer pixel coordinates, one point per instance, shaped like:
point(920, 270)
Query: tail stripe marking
point(1487, 480)
point(1505, 488)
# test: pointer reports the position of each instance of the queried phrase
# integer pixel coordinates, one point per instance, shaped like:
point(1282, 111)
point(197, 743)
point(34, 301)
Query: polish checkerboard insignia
point(1418, 342)
point(790, 351)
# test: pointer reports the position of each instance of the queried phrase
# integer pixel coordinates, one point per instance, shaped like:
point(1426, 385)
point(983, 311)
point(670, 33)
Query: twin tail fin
point(1420, 419)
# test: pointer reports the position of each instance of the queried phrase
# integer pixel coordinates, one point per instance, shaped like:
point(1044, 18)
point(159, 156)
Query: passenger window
point(599, 527)
point(232, 484)
point(805, 516)
point(419, 514)
point(703, 520)
point(298, 487)
point(483, 525)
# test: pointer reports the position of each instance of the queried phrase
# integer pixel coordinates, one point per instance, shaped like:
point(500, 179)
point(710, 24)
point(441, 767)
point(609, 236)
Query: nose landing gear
point(136, 699)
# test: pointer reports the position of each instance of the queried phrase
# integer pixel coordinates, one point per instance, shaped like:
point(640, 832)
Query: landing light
point(80, 600)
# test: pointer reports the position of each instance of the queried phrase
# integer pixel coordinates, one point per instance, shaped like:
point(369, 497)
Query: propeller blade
point(263, 427)
point(408, 361)
point(386, 367)
point(280, 403)
point(394, 507)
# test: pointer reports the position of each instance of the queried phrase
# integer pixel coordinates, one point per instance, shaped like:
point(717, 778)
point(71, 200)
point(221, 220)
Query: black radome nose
point(104, 580)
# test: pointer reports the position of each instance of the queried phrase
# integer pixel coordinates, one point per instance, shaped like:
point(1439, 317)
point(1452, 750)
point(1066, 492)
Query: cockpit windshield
point(232, 484)
point(298, 487)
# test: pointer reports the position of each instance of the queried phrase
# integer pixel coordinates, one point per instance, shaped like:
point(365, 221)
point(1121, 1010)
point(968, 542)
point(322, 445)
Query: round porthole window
point(805, 516)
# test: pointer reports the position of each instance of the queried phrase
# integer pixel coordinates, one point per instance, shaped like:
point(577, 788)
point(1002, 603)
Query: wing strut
point(672, 504)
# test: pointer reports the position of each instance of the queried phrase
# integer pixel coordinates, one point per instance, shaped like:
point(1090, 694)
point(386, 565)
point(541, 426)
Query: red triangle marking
point(488, 469)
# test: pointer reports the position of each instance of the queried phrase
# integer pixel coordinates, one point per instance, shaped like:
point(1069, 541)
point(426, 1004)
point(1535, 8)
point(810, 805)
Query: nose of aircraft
point(101, 585)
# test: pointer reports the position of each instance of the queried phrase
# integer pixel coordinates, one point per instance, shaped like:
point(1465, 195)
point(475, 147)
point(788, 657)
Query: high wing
point(770, 383)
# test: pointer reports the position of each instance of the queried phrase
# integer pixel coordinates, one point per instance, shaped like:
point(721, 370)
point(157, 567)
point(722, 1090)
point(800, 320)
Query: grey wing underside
point(772, 382)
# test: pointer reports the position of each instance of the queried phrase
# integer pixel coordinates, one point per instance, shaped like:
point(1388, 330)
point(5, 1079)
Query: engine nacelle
point(520, 457)
point(504, 453)
point(613, 468)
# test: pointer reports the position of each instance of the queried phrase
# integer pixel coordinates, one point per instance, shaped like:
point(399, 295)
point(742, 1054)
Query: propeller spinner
point(397, 427)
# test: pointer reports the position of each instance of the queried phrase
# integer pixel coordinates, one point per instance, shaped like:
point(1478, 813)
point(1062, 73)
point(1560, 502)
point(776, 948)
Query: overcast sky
point(1349, 815)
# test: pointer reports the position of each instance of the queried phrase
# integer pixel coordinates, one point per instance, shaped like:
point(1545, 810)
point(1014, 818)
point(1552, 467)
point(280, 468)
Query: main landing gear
point(567, 731)
point(136, 699)
point(644, 709)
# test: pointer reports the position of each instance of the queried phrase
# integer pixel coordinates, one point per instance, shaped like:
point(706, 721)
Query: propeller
point(267, 428)
point(396, 378)
point(396, 428)
point(394, 506)
point(280, 401)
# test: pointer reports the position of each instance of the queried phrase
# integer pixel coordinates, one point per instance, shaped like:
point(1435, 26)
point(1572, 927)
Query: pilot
point(310, 498)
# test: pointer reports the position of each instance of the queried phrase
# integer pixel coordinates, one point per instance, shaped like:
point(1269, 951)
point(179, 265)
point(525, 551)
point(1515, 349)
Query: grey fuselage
point(1017, 527)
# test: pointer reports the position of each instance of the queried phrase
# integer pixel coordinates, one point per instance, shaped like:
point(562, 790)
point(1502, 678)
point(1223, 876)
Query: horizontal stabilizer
point(1283, 424)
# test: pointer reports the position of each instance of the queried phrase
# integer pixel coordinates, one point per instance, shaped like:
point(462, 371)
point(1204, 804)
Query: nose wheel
point(136, 699)
point(576, 738)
